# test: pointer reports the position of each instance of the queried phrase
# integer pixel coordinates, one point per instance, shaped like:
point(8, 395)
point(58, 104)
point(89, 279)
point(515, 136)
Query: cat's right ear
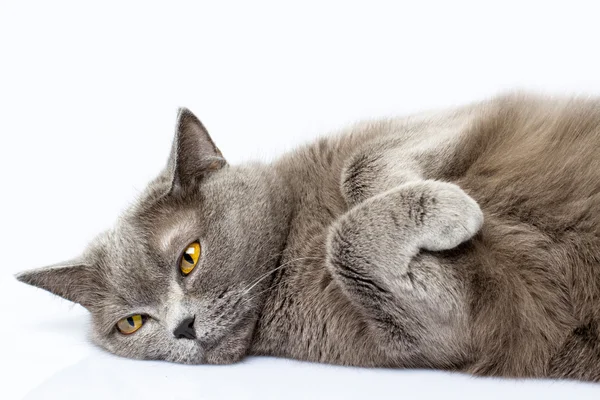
point(72, 280)
point(193, 154)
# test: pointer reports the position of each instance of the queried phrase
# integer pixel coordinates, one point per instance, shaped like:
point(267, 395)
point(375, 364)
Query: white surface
point(88, 95)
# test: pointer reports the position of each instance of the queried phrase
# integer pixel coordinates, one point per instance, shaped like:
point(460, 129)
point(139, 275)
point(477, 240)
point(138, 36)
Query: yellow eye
point(190, 258)
point(130, 324)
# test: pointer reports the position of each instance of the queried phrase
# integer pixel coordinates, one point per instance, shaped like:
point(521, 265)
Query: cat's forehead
point(123, 249)
point(162, 220)
point(172, 230)
point(152, 229)
point(132, 274)
point(157, 228)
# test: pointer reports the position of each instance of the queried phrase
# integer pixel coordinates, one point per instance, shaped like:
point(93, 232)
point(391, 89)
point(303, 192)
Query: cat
point(464, 240)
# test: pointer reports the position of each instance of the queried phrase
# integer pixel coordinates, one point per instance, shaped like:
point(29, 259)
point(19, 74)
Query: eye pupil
point(188, 258)
point(130, 321)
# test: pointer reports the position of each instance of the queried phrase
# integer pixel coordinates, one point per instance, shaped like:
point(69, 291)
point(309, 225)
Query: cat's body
point(308, 316)
point(367, 248)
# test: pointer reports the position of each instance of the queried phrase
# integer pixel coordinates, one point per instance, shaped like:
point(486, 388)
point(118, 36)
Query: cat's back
point(534, 269)
point(545, 147)
point(537, 164)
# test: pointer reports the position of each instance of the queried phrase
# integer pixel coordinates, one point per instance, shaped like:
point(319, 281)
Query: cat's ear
point(193, 154)
point(71, 280)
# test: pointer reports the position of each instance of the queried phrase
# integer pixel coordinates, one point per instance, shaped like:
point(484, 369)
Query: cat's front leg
point(434, 154)
point(371, 172)
point(412, 302)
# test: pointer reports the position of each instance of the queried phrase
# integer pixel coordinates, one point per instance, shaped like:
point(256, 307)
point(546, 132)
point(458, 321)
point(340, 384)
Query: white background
point(88, 97)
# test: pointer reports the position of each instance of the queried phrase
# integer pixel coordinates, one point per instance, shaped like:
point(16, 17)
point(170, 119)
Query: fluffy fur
point(466, 240)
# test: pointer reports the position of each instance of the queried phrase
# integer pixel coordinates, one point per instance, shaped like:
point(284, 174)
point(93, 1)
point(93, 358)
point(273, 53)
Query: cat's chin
point(225, 353)
point(232, 348)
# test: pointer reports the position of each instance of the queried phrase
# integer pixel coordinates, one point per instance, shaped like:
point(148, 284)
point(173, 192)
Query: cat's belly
point(318, 325)
point(310, 318)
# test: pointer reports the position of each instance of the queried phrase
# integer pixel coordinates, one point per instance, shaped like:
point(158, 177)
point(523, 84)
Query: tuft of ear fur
point(193, 154)
point(73, 281)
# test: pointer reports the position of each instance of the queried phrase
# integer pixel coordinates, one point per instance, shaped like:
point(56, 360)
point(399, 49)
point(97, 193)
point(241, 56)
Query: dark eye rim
point(183, 254)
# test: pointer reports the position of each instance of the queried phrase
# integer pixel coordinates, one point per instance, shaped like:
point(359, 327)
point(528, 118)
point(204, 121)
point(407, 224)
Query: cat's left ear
point(193, 154)
point(72, 280)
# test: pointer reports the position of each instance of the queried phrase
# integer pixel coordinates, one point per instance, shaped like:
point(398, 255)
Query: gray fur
point(359, 249)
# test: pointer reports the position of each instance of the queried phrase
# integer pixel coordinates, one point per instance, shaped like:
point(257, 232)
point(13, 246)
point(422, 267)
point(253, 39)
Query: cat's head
point(183, 274)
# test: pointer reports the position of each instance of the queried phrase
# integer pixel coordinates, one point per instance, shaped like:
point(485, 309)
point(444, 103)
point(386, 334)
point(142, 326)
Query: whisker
point(265, 275)
point(268, 259)
point(249, 299)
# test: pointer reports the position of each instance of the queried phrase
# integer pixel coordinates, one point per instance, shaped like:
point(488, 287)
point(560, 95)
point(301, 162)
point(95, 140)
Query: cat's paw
point(448, 216)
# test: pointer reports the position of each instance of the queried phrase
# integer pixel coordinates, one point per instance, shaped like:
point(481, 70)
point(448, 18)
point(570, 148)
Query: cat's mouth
point(223, 337)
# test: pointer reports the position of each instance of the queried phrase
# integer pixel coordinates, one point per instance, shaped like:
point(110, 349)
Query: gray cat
point(368, 248)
